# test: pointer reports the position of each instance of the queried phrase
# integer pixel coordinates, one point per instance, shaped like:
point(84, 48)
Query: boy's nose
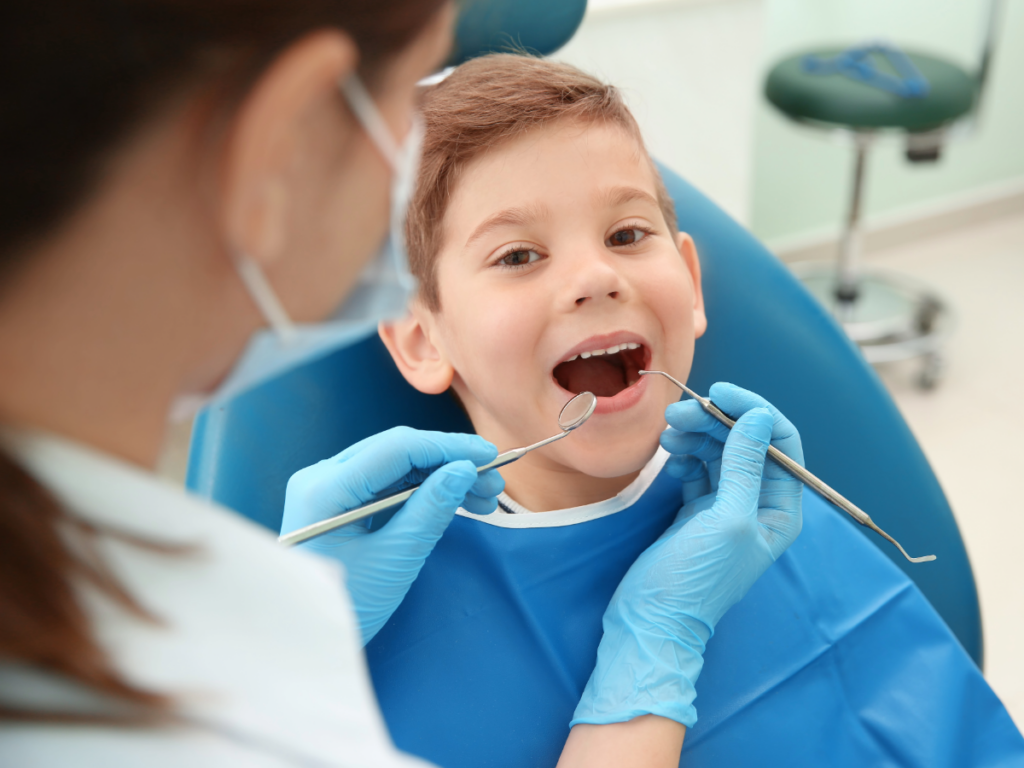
point(610, 294)
point(593, 279)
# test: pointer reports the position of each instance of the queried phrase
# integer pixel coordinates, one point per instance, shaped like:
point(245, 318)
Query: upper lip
point(603, 341)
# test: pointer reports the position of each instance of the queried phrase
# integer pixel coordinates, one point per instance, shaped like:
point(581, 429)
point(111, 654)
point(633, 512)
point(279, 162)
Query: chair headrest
point(539, 26)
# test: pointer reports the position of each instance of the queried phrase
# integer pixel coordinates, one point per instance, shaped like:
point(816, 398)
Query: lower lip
point(626, 399)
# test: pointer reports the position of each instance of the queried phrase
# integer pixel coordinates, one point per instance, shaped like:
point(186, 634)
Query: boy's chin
point(604, 461)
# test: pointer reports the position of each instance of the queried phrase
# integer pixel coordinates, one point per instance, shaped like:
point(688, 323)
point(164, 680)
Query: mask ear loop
point(362, 104)
point(408, 176)
point(265, 298)
point(404, 160)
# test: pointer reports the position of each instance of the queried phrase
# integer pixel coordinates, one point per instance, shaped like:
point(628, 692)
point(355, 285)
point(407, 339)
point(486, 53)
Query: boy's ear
point(688, 250)
point(411, 344)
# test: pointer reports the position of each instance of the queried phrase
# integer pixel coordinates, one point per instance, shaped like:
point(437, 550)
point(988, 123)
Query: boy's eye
point(627, 237)
point(519, 258)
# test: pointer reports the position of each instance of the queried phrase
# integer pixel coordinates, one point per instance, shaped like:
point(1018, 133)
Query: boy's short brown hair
point(483, 103)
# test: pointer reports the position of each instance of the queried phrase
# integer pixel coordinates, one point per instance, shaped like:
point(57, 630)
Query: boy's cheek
point(474, 319)
point(493, 352)
point(673, 305)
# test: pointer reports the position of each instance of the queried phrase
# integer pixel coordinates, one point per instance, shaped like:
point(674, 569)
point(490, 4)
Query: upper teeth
point(609, 351)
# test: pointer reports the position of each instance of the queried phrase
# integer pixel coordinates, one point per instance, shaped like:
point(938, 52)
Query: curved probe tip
point(924, 559)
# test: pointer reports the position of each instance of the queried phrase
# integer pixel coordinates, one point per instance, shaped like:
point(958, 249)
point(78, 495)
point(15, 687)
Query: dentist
point(193, 199)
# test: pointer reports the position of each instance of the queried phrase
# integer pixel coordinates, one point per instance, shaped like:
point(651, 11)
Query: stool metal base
point(892, 317)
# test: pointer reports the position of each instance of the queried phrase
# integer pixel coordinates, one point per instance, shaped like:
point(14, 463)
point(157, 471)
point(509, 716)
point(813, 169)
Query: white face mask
point(382, 292)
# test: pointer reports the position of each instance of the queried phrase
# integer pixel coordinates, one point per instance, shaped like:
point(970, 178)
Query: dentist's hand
point(740, 514)
point(382, 562)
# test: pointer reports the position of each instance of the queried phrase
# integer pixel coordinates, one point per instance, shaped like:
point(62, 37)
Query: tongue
point(595, 374)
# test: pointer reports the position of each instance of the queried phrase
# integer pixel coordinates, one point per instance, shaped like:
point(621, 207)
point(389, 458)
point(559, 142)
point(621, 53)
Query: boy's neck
point(541, 486)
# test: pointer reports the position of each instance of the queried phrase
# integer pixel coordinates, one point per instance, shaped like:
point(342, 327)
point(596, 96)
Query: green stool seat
point(837, 99)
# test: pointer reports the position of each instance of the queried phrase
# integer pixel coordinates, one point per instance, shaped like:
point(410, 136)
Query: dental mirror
point(577, 411)
point(572, 416)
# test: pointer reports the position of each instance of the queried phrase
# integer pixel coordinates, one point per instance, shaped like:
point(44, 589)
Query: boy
point(550, 264)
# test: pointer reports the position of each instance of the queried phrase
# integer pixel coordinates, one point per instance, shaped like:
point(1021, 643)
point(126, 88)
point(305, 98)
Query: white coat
point(256, 644)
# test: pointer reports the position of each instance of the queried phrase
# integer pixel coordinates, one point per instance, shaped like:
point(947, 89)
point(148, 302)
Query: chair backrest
point(765, 333)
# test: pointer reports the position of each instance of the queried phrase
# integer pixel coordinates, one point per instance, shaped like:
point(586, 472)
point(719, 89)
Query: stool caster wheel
point(928, 313)
point(932, 371)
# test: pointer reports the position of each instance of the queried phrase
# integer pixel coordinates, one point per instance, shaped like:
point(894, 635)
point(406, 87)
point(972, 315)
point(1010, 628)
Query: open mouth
point(605, 372)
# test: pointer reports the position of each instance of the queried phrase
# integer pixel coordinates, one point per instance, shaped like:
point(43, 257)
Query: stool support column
point(852, 239)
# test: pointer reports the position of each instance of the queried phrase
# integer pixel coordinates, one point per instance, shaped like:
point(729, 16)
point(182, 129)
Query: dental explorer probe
point(797, 471)
point(573, 414)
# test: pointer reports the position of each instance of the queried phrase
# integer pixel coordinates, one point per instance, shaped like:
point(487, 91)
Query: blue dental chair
point(766, 333)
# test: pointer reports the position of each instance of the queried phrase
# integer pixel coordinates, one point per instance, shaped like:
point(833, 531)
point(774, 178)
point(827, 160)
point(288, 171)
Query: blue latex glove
point(739, 514)
point(382, 562)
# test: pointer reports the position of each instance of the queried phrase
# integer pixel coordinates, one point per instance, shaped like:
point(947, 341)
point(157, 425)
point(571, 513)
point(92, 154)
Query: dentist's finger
point(490, 483)
point(400, 449)
point(425, 449)
point(425, 516)
point(482, 498)
point(401, 456)
point(743, 461)
point(692, 473)
point(690, 416)
point(480, 505)
point(699, 444)
point(736, 401)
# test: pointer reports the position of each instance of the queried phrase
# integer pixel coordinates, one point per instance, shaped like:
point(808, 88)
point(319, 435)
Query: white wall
point(689, 70)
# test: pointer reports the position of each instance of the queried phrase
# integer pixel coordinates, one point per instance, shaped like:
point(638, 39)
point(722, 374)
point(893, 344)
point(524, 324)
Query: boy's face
point(555, 249)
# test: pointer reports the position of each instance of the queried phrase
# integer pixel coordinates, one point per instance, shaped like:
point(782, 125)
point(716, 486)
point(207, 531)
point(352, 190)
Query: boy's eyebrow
point(622, 195)
point(520, 216)
point(508, 217)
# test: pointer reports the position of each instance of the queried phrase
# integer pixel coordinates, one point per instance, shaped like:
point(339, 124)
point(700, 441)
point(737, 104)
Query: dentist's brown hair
point(480, 105)
point(80, 79)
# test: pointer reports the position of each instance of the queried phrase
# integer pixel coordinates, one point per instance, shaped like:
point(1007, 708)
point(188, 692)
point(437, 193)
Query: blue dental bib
point(834, 658)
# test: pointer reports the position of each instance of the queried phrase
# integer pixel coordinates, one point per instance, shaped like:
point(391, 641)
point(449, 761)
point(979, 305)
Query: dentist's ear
point(274, 138)
point(411, 344)
point(688, 250)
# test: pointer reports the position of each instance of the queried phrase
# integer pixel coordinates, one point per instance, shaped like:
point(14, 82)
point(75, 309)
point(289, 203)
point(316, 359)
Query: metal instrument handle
point(799, 472)
point(382, 505)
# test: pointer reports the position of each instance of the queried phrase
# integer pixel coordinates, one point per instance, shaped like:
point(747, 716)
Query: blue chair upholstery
point(539, 26)
point(765, 333)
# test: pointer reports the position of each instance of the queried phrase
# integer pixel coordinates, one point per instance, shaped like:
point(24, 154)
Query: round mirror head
point(577, 411)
